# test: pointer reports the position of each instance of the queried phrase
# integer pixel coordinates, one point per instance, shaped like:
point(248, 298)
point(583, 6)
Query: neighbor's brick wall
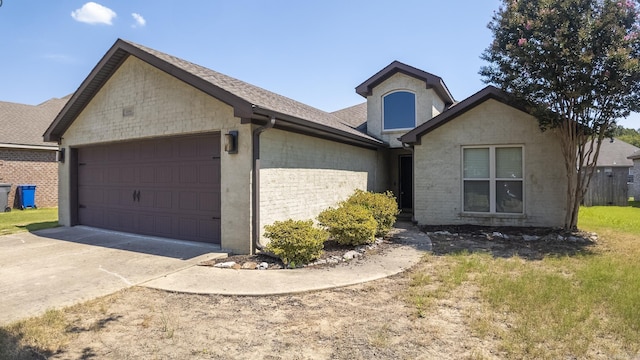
point(438, 168)
point(37, 167)
point(301, 175)
point(165, 106)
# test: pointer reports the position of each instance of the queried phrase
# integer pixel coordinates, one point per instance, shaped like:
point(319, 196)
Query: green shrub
point(383, 207)
point(295, 242)
point(349, 224)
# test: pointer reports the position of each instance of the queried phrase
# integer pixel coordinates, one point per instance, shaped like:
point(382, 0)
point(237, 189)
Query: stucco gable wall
point(302, 175)
point(427, 102)
point(438, 168)
point(165, 106)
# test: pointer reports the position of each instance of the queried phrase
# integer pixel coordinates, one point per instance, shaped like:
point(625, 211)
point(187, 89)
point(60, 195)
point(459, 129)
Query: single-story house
point(24, 157)
point(610, 183)
point(634, 176)
point(157, 145)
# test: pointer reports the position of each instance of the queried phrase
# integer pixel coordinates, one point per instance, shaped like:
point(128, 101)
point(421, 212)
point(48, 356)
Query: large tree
point(576, 65)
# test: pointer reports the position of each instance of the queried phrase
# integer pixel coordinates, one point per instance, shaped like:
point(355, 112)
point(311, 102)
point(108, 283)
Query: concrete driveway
point(63, 266)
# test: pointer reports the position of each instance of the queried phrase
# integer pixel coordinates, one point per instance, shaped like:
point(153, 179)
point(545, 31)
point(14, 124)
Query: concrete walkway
point(209, 280)
point(63, 266)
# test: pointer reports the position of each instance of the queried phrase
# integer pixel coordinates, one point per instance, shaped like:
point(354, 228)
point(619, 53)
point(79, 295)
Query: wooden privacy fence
point(608, 186)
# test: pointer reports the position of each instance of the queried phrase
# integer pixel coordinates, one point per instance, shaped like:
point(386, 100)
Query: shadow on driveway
point(62, 266)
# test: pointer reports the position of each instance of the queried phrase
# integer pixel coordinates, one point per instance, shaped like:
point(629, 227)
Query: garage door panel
point(209, 202)
point(92, 215)
point(188, 175)
point(188, 227)
point(207, 175)
point(175, 182)
point(164, 199)
point(147, 174)
point(91, 195)
point(188, 200)
point(92, 175)
point(206, 226)
point(164, 175)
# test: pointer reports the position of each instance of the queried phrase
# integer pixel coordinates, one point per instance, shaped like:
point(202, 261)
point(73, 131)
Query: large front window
point(493, 179)
point(399, 110)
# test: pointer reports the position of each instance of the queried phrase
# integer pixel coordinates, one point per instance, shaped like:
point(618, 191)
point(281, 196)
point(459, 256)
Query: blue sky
point(315, 52)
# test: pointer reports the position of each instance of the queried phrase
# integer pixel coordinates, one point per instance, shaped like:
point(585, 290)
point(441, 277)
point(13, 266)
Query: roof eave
point(489, 92)
point(432, 81)
point(299, 125)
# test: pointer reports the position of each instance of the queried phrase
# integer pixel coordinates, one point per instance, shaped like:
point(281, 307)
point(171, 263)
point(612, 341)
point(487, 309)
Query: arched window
point(399, 110)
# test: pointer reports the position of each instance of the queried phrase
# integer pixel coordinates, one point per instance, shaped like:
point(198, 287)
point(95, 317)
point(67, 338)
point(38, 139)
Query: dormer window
point(399, 110)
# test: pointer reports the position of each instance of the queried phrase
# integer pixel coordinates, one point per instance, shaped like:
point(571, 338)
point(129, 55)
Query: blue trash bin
point(26, 196)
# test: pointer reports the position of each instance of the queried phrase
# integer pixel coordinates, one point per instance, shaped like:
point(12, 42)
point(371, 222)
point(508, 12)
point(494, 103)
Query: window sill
point(492, 215)
point(394, 131)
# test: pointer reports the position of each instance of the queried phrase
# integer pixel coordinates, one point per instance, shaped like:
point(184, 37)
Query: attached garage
point(159, 146)
point(167, 187)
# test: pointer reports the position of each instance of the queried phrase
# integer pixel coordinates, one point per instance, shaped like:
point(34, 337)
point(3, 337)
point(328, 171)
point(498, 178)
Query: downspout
point(256, 183)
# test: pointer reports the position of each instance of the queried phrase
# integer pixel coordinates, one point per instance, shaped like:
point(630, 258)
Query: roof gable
point(431, 81)
point(248, 101)
point(489, 92)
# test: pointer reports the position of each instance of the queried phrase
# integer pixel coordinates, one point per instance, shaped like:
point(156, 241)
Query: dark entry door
point(406, 182)
point(167, 187)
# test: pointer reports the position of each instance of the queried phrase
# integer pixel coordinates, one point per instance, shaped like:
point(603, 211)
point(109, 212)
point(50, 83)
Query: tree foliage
point(575, 64)
point(629, 136)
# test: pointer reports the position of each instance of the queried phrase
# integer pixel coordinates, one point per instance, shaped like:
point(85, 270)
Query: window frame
point(415, 108)
point(493, 180)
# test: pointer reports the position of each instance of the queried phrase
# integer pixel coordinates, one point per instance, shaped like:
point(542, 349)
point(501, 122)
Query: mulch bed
point(332, 250)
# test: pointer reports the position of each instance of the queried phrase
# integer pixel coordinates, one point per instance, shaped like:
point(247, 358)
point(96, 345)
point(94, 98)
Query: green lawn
point(580, 306)
point(28, 220)
point(585, 305)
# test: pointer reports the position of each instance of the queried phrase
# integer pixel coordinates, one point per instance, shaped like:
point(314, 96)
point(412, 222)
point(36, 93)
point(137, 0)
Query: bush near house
point(349, 224)
point(383, 207)
point(295, 242)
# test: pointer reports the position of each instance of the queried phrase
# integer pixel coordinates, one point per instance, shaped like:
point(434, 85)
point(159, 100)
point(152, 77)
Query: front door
point(406, 182)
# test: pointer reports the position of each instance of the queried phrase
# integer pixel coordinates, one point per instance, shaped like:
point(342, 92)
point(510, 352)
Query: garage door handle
point(136, 195)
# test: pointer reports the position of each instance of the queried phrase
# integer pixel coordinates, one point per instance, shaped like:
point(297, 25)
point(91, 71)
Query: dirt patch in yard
point(376, 320)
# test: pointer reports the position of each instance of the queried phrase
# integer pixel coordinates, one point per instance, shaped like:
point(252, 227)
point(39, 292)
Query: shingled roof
point(354, 116)
point(249, 101)
point(616, 153)
point(22, 125)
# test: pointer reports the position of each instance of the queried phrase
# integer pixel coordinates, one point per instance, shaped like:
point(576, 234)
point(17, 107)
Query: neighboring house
point(24, 157)
point(610, 183)
point(634, 176)
point(158, 145)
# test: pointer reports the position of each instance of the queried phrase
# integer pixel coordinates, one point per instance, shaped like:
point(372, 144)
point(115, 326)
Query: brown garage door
point(166, 187)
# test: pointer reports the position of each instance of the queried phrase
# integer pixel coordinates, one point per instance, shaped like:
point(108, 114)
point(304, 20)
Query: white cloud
point(140, 21)
point(93, 13)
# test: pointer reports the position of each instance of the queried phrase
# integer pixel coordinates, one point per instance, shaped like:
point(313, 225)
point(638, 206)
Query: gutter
point(256, 183)
point(29, 147)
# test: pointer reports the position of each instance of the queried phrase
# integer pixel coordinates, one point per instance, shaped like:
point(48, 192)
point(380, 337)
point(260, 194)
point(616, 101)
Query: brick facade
point(438, 168)
point(165, 106)
point(301, 175)
point(38, 167)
